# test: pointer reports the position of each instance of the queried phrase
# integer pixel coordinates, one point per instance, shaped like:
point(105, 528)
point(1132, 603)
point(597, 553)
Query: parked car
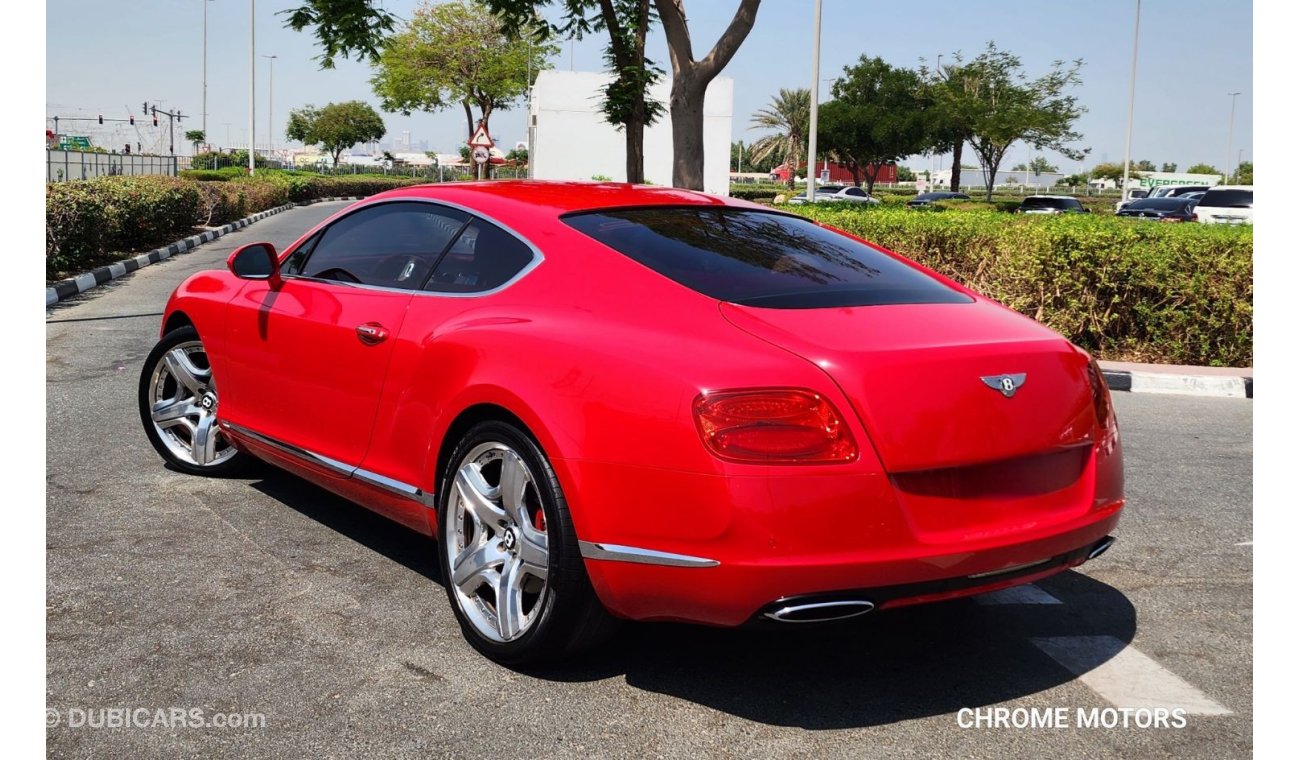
point(836, 193)
point(1051, 204)
point(1227, 204)
point(927, 199)
point(1132, 195)
point(603, 401)
point(1177, 209)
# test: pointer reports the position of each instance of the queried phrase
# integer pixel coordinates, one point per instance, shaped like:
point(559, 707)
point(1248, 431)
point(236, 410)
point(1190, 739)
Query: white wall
point(572, 140)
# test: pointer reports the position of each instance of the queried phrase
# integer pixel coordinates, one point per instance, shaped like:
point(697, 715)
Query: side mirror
point(255, 261)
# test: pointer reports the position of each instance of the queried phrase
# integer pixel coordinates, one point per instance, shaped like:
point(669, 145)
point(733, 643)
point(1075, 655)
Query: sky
point(107, 56)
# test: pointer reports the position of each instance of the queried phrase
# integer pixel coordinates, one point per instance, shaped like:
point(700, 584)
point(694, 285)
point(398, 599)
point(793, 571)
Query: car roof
point(1057, 197)
point(1233, 187)
point(508, 198)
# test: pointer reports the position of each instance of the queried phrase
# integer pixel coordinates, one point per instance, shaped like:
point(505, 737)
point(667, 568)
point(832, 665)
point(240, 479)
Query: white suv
point(1227, 204)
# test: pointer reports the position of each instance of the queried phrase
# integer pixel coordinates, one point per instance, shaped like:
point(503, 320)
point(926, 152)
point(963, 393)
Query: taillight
point(773, 426)
point(1100, 393)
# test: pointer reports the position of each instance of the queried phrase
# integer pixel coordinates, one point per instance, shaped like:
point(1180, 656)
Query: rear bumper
point(735, 591)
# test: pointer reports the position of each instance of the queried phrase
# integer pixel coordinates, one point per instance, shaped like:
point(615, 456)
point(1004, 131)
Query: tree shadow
point(889, 666)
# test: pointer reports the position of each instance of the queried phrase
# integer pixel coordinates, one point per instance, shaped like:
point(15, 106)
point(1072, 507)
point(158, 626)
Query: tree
point(456, 52)
point(1143, 166)
point(879, 115)
point(1073, 180)
point(518, 155)
point(195, 137)
point(1009, 109)
point(906, 175)
point(951, 93)
point(1039, 165)
point(336, 127)
point(626, 104)
point(1202, 169)
point(1245, 174)
point(691, 79)
point(344, 28)
point(1113, 172)
point(787, 115)
point(1169, 168)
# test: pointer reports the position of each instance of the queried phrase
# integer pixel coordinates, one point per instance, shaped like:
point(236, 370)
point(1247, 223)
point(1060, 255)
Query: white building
point(570, 138)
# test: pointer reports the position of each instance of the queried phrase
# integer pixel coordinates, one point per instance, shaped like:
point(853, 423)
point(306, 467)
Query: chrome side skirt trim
point(405, 490)
point(616, 553)
point(1012, 569)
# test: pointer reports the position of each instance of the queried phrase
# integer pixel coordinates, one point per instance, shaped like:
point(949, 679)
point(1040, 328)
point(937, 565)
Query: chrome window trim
point(537, 259)
point(414, 493)
point(637, 555)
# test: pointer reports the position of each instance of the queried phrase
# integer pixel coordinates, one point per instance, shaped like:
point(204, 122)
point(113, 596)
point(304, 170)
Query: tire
point(178, 407)
point(524, 549)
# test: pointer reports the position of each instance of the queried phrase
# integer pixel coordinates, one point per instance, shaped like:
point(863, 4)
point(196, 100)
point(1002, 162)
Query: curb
point(65, 289)
point(1221, 386)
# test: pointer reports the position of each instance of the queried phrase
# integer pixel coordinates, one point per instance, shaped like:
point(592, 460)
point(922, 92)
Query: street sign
point(480, 139)
point(481, 154)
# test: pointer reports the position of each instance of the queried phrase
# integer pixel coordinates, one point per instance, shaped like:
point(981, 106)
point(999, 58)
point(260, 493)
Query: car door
point(308, 359)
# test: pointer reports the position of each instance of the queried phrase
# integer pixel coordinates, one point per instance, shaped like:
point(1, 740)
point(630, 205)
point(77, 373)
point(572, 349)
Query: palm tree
point(788, 116)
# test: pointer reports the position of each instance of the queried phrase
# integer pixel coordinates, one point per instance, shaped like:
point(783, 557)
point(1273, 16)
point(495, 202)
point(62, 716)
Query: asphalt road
point(269, 596)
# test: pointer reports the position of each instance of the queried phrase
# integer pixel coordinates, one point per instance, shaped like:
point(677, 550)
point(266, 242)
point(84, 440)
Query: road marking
point(1199, 385)
point(1026, 594)
point(1124, 676)
point(1245, 543)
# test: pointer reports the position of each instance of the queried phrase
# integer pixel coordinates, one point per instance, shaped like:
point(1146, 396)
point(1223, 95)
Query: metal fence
point(67, 165)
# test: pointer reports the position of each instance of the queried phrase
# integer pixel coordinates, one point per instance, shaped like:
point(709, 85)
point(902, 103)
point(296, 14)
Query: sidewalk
point(1229, 382)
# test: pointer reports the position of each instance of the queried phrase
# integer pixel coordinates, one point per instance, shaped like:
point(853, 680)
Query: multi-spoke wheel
point(178, 406)
point(509, 554)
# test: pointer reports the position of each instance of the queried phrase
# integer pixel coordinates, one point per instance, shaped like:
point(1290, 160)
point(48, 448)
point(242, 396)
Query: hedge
point(1124, 289)
point(97, 221)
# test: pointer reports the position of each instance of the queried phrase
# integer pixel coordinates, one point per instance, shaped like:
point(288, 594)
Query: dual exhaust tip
point(843, 609)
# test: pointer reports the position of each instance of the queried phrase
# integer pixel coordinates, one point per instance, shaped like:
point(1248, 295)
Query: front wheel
point(178, 407)
point(509, 554)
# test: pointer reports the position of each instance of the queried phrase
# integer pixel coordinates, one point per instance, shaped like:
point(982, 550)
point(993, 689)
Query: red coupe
point(607, 401)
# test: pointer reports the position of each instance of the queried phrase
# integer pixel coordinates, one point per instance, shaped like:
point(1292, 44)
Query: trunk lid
point(914, 374)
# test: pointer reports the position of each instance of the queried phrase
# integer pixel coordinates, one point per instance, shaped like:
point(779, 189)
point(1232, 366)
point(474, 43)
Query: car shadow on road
point(885, 667)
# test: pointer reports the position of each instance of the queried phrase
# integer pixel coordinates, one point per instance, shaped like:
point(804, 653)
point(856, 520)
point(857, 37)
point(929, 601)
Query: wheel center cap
point(510, 539)
point(208, 402)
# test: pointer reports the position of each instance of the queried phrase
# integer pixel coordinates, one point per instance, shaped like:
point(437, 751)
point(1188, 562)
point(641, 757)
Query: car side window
point(482, 258)
point(391, 245)
point(856, 192)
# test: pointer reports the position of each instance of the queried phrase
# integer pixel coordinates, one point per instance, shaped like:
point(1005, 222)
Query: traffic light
point(128, 149)
point(144, 108)
point(131, 119)
point(101, 118)
point(155, 119)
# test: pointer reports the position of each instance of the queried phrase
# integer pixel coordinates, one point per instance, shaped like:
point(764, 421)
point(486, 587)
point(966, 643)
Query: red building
point(839, 173)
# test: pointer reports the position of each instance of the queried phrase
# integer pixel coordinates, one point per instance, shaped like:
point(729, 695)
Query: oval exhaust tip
point(821, 612)
point(1101, 547)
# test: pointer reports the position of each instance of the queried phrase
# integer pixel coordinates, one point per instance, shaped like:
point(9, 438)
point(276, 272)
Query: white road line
point(1026, 594)
point(1245, 543)
point(1124, 676)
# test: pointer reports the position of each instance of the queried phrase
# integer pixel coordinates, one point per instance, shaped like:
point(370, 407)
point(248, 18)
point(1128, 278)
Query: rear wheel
point(178, 407)
point(509, 554)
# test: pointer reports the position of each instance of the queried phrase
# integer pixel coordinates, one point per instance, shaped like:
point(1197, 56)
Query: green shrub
point(1124, 289)
point(96, 221)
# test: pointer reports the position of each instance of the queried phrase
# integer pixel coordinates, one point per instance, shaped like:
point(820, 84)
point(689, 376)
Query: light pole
point(816, 85)
point(1232, 116)
point(270, 92)
point(206, 136)
point(252, 86)
point(1132, 90)
point(934, 159)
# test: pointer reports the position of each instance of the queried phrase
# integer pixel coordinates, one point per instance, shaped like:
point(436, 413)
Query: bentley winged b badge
point(1007, 385)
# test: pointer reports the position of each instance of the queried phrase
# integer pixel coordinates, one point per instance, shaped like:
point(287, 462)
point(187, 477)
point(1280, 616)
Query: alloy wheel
point(497, 543)
point(182, 401)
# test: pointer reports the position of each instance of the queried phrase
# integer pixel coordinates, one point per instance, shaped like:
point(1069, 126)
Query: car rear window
point(1049, 203)
point(1228, 199)
point(760, 258)
point(1160, 204)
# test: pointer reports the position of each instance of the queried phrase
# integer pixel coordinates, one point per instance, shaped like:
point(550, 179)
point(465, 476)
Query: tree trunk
point(634, 133)
point(872, 171)
point(686, 105)
point(469, 119)
point(856, 169)
point(954, 184)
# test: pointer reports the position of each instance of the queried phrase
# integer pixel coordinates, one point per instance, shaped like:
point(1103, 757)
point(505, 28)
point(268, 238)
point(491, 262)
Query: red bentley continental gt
point(606, 401)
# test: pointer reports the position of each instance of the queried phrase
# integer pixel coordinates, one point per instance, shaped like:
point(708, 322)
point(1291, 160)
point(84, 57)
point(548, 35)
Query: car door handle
point(372, 333)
